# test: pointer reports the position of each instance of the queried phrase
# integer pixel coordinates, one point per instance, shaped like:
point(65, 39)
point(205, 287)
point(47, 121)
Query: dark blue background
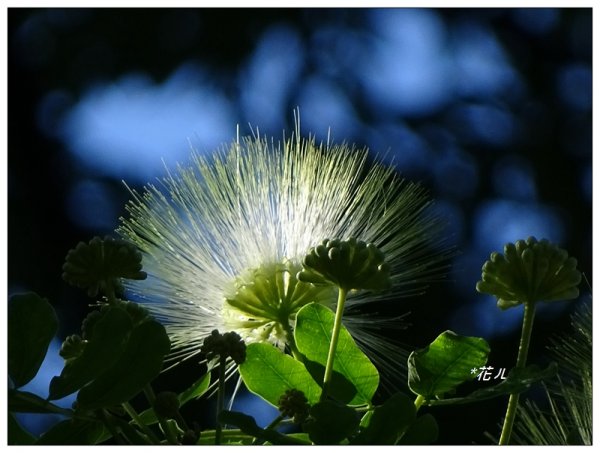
point(488, 108)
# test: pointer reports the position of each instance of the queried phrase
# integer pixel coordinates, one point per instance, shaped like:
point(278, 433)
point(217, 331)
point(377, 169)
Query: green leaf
point(32, 324)
point(104, 347)
point(388, 422)
point(17, 435)
point(445, 364)
point(228, 437)
point(268, 373)
point(517, 381)
point(329, 423)
point(19, 401)
point(248, 425)
point(423, 431)
point(140, 362)
point(195, 391)
point(73, 432)
point(314, 325)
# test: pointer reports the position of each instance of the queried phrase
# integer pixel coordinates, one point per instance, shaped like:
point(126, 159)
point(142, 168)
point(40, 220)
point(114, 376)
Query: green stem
point(511, 409)
point(337, 325)
point(220, 399)
point(419, 402)
point(136, 418)
point(112, 429)
point(167, 427)
point(151, 397)
point(276, 421)
point(291, 342)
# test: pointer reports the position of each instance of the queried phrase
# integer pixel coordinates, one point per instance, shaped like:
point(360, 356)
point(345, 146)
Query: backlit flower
point(223, 239)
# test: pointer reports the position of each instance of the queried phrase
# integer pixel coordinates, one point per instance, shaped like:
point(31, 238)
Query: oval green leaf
point(517, 381)
point(106, 344)
point(140, 362)
point(268, 373)
point(330, 423)
point(32, 324)
point(423, 431)
point(314, 325)
point(73, 432)
point(388, 422)
point(445, 364)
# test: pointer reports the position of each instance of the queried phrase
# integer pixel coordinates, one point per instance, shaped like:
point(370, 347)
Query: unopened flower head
point(223, 239)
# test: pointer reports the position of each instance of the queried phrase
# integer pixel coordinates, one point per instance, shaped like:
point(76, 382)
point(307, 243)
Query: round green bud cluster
point(100, 264)
point(293, 403)
point(530, 271)
point(72, 347)
point(190, 437)
point(225, 345)
point(349, 264)
point(166, 404)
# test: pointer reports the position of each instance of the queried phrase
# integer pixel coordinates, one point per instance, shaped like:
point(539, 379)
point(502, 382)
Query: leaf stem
point(220, 399)
point(112, 429)
point(136, 418)
point(513, 400)
point(276, 421)
point(337, 325)
point(151, 397)
point(419, 400)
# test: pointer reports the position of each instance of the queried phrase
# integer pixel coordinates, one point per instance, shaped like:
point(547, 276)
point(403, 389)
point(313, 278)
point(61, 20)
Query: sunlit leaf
point(445, 364)
point(314, 325)
point(517, 381)
point(268, 373)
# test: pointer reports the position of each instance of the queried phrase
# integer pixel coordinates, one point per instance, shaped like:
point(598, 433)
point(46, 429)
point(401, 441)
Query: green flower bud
point(190, 437)
point(349, 264)
point(293, 403)
point(166, 404)
point(530, 271)
point(72, 347)
point(100, 265)
point(87, 326)
point(225, 345)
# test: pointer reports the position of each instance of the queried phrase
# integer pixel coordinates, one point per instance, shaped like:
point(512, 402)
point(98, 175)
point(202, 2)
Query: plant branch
point(337, 325)
point(511, 409)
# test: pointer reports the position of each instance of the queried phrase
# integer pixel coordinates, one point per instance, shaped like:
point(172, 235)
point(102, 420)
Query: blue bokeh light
point(500, 221)
point(456, 174)
point(51, 366)
point(574, 85)
point(327, 111)
point(485, 124)
point(405, 71)
point(126, 129)
point(91, 205)
point(269, 76)
point(481, 67)
point(513, 178)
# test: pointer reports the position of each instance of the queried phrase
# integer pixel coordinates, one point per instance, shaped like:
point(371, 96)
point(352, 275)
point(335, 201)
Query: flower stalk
point(513, 401)
point(337, 325)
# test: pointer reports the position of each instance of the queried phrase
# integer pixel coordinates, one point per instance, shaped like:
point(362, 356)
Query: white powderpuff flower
point(224, 238)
